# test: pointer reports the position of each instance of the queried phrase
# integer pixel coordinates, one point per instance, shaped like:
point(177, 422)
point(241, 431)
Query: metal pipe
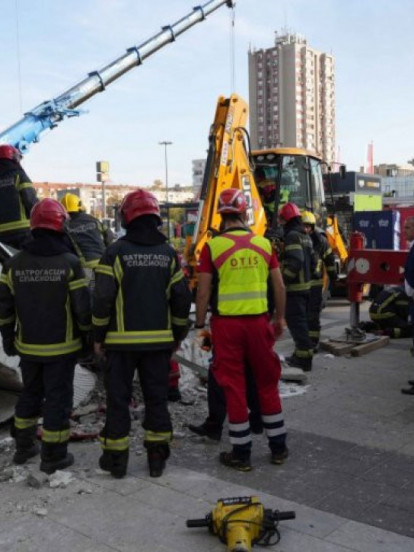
point(48, 114)
point(165, 143)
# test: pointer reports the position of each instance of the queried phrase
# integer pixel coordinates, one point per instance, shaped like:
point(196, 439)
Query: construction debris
point(341, 347)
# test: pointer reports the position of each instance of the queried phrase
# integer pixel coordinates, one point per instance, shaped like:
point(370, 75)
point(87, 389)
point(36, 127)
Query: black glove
point(9, 348)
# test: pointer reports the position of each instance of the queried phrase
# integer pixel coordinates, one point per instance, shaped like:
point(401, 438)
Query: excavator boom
point(228, 166)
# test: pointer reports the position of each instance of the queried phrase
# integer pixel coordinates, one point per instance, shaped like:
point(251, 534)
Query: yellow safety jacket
point(241, 260)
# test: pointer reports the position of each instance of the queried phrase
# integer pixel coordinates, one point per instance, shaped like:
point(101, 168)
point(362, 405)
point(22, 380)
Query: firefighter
point(140, 314)
point(44, 310)
point(17, 197)
point(325, 260)
point(389, 312)
point(233, 273)
point(88, 233)
point(298, 263)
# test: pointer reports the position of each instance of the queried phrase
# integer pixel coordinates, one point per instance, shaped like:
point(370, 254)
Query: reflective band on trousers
point(158, 436)
point(114, 444)
point(61, 436)
point(239, 434)
point(24, 423)
point(274, 424)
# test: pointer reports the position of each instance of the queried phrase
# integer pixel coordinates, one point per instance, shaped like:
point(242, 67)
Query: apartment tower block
point(292, 97)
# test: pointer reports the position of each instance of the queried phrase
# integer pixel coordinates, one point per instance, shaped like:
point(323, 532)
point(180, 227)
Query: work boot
point(278, 456)
point(157, 456)
point(115, 462)
point(26, 444)
point(207, 429)
point(296, 362)
point(408, 390)
point(55, 456)
point(235, 461)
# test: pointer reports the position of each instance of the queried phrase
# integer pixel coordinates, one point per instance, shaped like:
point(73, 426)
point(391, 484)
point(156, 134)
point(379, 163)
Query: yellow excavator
point(269, 178)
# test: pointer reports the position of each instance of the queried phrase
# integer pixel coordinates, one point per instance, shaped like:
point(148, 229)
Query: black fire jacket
point(17, 197)
point(44, 300)
point(90, 236)
point(141, 299)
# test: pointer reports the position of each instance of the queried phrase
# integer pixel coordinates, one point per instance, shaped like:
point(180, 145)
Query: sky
point(49, 46)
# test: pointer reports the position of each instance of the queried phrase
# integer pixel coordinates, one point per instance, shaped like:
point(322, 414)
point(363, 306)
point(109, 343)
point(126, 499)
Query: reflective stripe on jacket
point(389, 303)
point(324, 258)
point(17, 197)
point(141, 299)
point(44, 304)
point(90, 237)
point(242, 263)
point(299, 260)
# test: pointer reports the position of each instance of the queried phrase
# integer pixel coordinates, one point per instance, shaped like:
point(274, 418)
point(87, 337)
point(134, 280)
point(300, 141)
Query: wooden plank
point(365, 348)
point(336, 348)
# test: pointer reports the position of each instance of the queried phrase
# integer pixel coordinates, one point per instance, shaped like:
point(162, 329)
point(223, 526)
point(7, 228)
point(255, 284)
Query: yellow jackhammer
point(242, 522)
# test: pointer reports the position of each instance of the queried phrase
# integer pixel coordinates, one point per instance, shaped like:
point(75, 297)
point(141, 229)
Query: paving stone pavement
point(349, 477)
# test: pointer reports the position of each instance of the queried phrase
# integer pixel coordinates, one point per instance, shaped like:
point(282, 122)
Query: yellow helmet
point(71, 203)
point(308, 217)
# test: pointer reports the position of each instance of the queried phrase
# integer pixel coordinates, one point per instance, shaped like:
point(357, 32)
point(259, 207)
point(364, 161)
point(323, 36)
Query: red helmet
point(289, 211)
point(9, 152)
point(50, 214)
point(232, 200)
point(138, 203)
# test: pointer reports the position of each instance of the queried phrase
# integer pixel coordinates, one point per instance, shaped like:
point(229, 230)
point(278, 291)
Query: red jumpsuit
point(241, 339)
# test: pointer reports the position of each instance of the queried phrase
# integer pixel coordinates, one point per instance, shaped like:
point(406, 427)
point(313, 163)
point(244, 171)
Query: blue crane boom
point(49, 114)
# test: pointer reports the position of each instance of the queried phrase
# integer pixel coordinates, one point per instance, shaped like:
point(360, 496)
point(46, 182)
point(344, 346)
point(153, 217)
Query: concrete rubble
point(348, 478)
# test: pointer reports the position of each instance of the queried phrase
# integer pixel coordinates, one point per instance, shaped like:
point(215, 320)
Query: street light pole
point(165, 143)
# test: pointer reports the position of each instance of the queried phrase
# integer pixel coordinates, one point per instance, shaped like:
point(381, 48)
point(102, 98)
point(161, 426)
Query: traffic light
point(102, 171)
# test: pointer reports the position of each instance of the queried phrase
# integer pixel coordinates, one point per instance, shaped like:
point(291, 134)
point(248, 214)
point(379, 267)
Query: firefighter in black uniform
point(88, 233)
point(44, 310)
point(325, 260)
point(389, 313)
point(298, 263)
point(140, 313)
point(17, 197)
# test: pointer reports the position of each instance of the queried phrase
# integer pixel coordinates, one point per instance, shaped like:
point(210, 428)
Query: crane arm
point(50, 113)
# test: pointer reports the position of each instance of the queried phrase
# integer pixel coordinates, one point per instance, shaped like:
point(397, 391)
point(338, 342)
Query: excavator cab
point(289, 174)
